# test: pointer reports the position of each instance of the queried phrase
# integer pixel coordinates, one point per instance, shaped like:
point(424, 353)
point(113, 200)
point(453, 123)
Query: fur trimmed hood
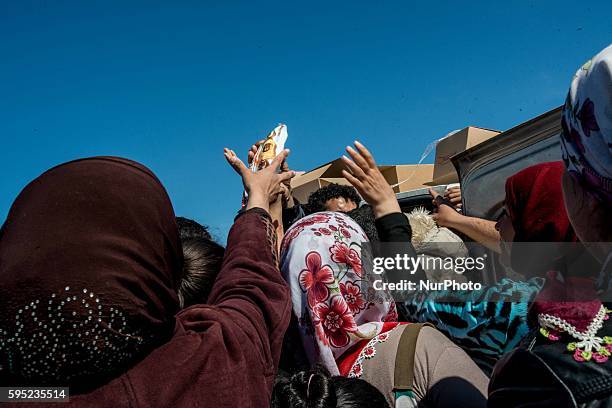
point(427, 237)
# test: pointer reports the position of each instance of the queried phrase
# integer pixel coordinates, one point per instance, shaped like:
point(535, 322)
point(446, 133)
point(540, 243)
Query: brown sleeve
point(250, 289)
point(223, 354)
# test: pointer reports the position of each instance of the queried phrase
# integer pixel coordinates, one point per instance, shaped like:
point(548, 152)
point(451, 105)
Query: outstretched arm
point(478, 229)
point(392, 226)
point(224, 353)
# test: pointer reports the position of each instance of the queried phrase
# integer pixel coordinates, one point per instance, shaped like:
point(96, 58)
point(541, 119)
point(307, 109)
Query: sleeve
point(394, 227)
point(250, 289)
point(395, 237)
point(225, 353)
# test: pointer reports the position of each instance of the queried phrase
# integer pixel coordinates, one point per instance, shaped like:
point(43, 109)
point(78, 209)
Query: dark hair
point(317, 389)
point(364, 217)
point(191, 229)
point(318, 198)
point(203, 258)
point(202, 262)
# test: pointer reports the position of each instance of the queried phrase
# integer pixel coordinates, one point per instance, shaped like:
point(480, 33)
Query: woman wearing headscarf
point(587, 153)
point(531, 206)
point(351, 329)
point(493, 321)
point(568, 362)
point(90, 260)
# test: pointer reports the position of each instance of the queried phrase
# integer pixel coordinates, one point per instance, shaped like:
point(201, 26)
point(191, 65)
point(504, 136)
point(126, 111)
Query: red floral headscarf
point(323, 261)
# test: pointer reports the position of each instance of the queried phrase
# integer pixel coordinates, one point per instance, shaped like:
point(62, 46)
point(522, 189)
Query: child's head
point(191, 229)
point(316, 388)
point(203, 258)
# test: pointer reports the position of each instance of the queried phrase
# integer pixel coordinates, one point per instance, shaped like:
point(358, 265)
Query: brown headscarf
point(90, 258)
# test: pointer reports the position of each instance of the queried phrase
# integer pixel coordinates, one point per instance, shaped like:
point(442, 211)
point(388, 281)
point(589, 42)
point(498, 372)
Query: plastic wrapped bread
point(267, 152)
point(270, 148)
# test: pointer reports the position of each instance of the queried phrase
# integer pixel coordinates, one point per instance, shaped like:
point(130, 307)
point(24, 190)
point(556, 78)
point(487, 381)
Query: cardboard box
point(444, 171)
point(409, 175)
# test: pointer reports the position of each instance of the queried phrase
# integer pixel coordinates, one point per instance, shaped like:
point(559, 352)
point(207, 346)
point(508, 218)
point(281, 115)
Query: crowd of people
point(105, 291)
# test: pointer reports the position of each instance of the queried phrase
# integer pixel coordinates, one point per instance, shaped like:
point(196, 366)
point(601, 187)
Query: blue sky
point(171, 83)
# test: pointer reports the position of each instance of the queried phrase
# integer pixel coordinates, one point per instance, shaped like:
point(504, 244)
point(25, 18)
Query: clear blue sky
point(171, 83)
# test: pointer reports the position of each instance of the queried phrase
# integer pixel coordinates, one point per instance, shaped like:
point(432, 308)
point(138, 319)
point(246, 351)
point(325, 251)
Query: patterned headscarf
point(586, 145)
point(322, 262)
point(586, 140)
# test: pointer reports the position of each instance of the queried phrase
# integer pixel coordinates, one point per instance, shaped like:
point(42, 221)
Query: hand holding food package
point(267, 151)
point(270, 148)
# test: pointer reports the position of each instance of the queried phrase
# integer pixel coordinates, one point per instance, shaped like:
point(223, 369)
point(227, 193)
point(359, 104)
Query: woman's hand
point(445, 215)
point(365, 176)
point(478, 229)
point(287, 198)
point(253, 152)
point(453, 195)
point(263, 186)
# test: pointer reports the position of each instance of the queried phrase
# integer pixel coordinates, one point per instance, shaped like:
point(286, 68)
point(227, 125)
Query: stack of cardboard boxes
point(404, 177)
point(331, 172)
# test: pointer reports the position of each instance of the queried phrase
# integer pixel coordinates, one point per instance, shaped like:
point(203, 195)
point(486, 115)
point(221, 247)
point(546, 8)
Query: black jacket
point(544, 374)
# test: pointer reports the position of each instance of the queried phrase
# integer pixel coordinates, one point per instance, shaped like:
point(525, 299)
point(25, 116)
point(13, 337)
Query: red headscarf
point(534, 200)
point(90, 258)
point(581, 303)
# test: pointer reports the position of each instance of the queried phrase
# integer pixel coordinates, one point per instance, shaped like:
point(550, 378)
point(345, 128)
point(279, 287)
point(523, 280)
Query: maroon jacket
point(90, 259)
point(223, 354)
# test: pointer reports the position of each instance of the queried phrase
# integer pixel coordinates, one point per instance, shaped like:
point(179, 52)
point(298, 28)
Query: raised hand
point(263, 186)
point(365, 176)
point(287, 198)
point(253, 152)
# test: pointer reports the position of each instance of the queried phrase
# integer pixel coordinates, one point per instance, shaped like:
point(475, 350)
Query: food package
point(267, 151)
point(270, 148)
